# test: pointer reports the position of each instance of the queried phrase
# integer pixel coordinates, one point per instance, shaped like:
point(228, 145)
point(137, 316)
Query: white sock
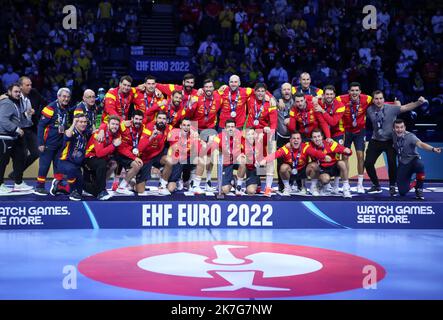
point(240, 181)
point(286, 183)
point(163, 183)
point(208, 177)
point(269, 180)
point(360, 179)
point(345, 183)
point(123, 184)
point(337, 182)
point(197, 180)
point(313, 183)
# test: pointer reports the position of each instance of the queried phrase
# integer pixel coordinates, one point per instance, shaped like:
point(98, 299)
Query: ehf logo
point(229, 269)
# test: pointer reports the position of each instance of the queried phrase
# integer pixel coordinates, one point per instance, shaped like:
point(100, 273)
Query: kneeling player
point(334, 168)
point(409, 162)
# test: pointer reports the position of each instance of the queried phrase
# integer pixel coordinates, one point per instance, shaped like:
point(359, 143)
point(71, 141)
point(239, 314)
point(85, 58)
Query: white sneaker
point(327, 188)
point(22, 187)
point(5, 189)
point(324, 191)
point(124, 191)
point(180, 185)
point(287, 191)
point(209, 187)
point(294, 188)
point(197, 190)
point(347, 192)
point(163, 191)
point(335, 190)
point(303, 191)
point(314, 191)
point(360, 188)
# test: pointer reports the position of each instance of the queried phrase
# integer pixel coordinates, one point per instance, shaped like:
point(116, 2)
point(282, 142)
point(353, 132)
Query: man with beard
point(118, 100)
point(409, 161)
point(128, 152)
point(99, 162)
point(88, 108)
point(354, 121)
point(51, 129)
point(153, 152)
point(11, 139)
point(174, 108)
point(327, 169)
point(189, 94)
point(72, 156)
point(295, 156)
point(305, 86)
point(146, 98)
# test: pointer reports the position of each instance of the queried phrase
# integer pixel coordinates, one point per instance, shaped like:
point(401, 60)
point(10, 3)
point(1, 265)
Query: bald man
point(89, 108)
point(305, 86)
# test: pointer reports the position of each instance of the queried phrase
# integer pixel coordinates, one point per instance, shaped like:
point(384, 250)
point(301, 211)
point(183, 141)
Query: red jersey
point(104, 149)
point(263, 112)
point(234, 102)
point(130, 141)
point(151, 147)
point(183, 147)
point(296, 157)
point(167, 89)
point(205, 111)
point(253, 152)
point(118, 104)
point(229, 146)
point(307, 120)
point(355, 110)
point(333, 116)
point(173, 114)
point(334, 150)
point(145, 101)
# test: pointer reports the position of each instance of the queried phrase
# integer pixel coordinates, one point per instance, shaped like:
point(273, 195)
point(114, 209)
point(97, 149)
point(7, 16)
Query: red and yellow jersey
point(104, 149)
point(332, 149)
point(205, 111)
point(254, 152)
point(229, 146)
point(298, 156)
point(167, 90)
point(145, 102)
point(151, 146)
point(183, 147)
point(263, 112)
point(351, 108)
point(173, 114)
point(131, 137)
point(307, 120)
point(118, 104)
point(333, 116)
point(234, 102)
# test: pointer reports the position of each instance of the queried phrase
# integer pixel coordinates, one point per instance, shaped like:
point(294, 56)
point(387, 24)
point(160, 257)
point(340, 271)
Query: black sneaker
point(54, 187)
point(104, 195)
point(374, 189)
point(41, 192)
point(419, 194)
point(75, 196)
point(392, 191)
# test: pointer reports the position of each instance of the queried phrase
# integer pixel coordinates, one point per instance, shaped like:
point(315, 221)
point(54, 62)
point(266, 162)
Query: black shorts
point(301, 174)
point(177, 170)
point(252, 177)
point(333, 170)
point(359, 140)
point(145, 172)
point(123, 161)
point(228, 174)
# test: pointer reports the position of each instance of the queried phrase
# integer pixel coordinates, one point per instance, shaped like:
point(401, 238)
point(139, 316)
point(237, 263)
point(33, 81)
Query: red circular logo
point(231, 269)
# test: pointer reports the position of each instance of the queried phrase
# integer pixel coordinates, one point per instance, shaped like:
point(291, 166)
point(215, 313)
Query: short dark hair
point(175, 92)
point(208, 81)
point(329, 87)
point(12, 85)
point(150, 77)
point(355, 84)
point(316, 130)
point(398, 121)
point(299, 95)
point(114, 117)
point(188, 76)
point(161, 112)
point(127, 78)
point(260, 85)
point(138, 113)
point(295, 132)
point(377, 92)
point(230, 121)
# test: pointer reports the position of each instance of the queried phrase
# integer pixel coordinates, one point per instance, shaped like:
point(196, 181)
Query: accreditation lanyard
point(400, 146)
point(79, 144)
point(206, 108)
point(171, 117)
point(380, 117)
point(61, 116)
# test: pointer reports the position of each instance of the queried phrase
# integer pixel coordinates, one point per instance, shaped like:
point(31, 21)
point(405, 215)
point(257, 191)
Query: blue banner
point(221, 214)
point(166, 68)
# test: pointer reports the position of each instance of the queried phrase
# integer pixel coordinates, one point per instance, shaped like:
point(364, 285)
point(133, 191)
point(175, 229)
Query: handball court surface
point(34, 263)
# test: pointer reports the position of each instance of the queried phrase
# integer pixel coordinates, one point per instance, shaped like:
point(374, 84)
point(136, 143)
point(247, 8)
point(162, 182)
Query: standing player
point(409, 161)
point(146, 98)
point(354, 120)
point(333, 168)
point(50, 132)
point(118, 100)
point(382, 117)
point(187, 90)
